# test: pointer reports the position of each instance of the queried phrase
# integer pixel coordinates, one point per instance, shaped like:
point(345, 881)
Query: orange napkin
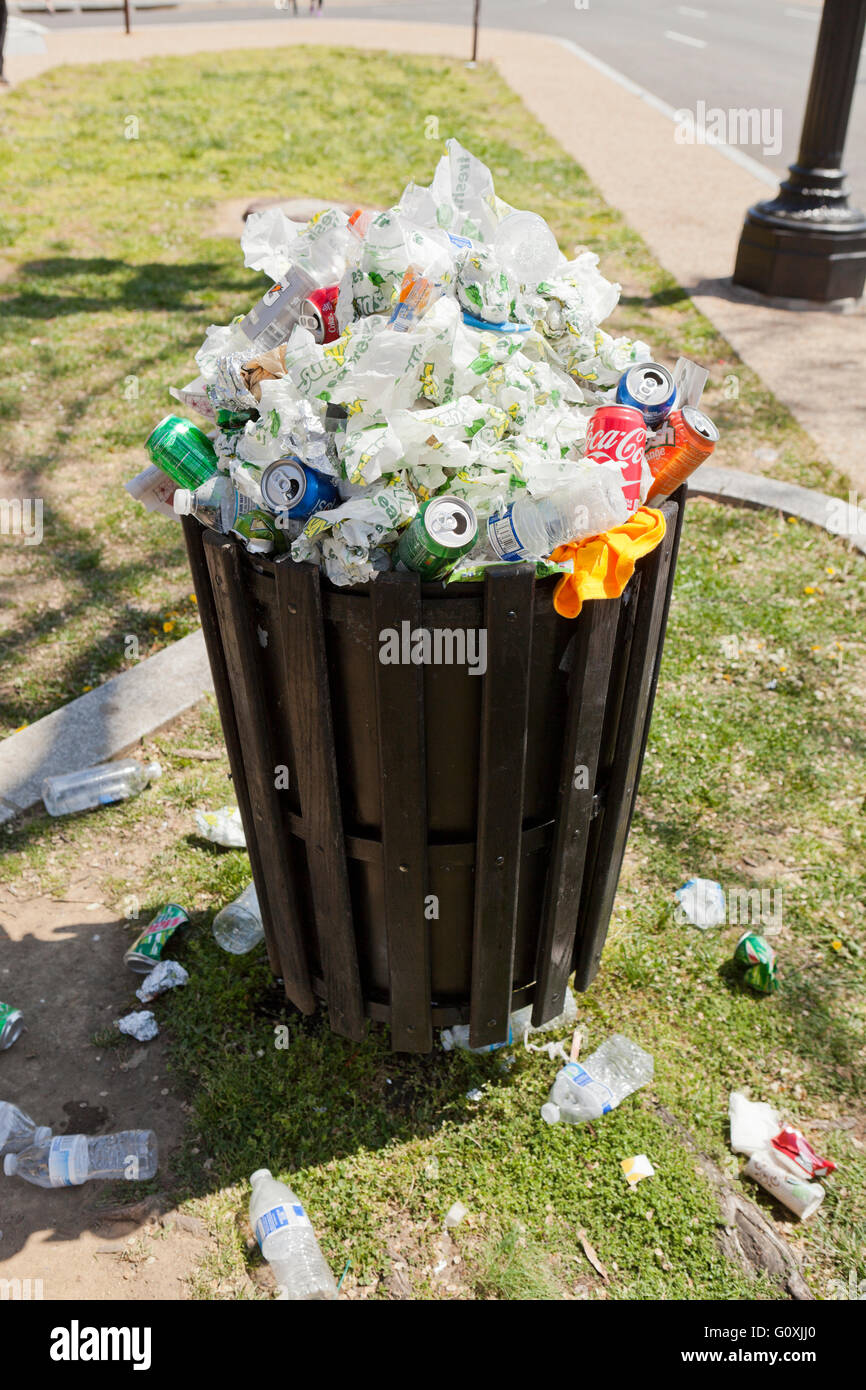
point(604, 564)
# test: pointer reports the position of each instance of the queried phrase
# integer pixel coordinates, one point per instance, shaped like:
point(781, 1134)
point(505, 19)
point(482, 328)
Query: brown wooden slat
point(509, 593)
point(652, 602)
point(241, 659)
point(302, 638)
point(194, 536)
point(395, 599)
point(587, 697)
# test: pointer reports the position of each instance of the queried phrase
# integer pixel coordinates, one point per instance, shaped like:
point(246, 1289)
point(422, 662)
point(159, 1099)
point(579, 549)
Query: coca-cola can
point(684, 442)
point(319, 314)
point(616, 434)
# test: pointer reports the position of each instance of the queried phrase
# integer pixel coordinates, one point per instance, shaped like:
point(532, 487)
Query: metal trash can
point(431, 844)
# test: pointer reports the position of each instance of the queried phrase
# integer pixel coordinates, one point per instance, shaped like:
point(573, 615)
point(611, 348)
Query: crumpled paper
point(168, 974)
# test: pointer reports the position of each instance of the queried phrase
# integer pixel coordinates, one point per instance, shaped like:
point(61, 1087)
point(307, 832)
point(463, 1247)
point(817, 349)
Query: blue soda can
point(289, 486)
point(650, 388)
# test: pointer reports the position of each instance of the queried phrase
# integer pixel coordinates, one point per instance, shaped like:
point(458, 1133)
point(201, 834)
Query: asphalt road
point(728, 54)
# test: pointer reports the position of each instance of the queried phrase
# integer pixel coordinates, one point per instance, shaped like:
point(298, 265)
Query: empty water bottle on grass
point(96, 786)
point(18, 1131)
point(238, 927)
point(287, 1240)
point(72, 1159)
point(587, 1091)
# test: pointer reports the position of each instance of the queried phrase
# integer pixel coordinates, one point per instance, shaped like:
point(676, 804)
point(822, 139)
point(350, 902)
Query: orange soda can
point(684, 442)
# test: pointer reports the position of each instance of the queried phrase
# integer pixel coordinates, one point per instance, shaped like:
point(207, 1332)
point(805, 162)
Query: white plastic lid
point(182, 501)
point(550, 1113)
point(261, 1173)
point(153, 771)
point(10, 1165)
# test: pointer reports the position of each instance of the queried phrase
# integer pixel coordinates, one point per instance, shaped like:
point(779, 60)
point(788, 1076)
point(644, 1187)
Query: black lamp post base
point(801, 262)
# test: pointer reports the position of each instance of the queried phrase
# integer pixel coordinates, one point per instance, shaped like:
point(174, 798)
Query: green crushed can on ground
point(146, 950)
point(760, 959)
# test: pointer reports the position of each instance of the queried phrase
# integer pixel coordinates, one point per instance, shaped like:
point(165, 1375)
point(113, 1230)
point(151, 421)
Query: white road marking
point(685, 38)
point(736, 156)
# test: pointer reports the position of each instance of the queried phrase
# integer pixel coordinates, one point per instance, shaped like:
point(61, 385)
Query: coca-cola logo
point(619, 446)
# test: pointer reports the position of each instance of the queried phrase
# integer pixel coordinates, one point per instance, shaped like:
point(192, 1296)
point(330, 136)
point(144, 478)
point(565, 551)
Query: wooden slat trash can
point(438, 840)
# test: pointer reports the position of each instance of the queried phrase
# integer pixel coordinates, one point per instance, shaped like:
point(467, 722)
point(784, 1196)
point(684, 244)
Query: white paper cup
point(799, 1196)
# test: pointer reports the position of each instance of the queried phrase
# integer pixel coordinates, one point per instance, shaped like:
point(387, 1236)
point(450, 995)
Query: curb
point(103, 723)
point(113, 718)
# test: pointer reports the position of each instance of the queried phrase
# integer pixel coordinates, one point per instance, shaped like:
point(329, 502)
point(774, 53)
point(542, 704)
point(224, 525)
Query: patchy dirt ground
point(86, 1242)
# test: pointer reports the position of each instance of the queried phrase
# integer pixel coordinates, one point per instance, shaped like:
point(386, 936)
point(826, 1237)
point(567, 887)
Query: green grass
point(111, 274)
point(758, 787)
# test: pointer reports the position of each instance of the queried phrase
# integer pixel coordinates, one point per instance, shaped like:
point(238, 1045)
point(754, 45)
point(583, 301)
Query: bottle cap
point(153, 771)
point(550, 1113)
point(260, 1173)
point(10, 1165)
point(182, 501)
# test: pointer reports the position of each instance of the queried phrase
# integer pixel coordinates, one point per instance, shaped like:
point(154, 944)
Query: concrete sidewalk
point(686, 201)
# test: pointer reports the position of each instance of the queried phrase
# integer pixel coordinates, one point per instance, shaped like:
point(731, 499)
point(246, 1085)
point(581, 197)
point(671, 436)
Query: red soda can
point(319, 314)
point(616, 434)
point(686, 439)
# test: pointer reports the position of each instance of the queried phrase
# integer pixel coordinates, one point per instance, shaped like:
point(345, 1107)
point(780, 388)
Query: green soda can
point(444, 529)
point(11, 1025)
point(183, 451)
point(754, 952)
point(146, 950)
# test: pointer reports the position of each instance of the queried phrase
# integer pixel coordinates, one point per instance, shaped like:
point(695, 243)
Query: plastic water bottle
point(287, 1240)
point(131, 1154)
point(69, 1160)
point(532, 527)
point(208, 502)
point(18, 1131)
point(96, 786)
point(586, 1091)
point(238, 927)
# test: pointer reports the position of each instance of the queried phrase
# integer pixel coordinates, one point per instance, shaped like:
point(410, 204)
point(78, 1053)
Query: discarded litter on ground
point(288, 1242)
point(454, 1215)
point(169, 974)
point(222, 827)
point(96, 786)
point(238, 926)
point(781, 1159)
point(68, 1160)
point(18, 1131)
point(586, 1092)
point(519, 1026)
point(637, 1168)
point(429, 388)
point(11, 1025)
point(702, 902)
point(141, 1025)
point(760, 960)
point(146, 951)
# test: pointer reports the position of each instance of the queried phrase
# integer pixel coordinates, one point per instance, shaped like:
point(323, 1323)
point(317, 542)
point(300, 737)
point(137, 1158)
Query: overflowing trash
point(780, 1157)
point(18, 1131)
point(637, 1168)
point(167, 975)
point(586, 1092)
point(146, 951)
point(429, 388)
point(11, 1025)
point(68, 1160)
point(141, 1025)
point(96, 786)
point(238, 926)
point(702, 903)
point(222, 827)
point(288, 1242)
point(760, 960)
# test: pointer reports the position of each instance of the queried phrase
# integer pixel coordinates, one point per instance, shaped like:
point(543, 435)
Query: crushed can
point(146, 950)
point(754, 952)
point(11, 1025)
